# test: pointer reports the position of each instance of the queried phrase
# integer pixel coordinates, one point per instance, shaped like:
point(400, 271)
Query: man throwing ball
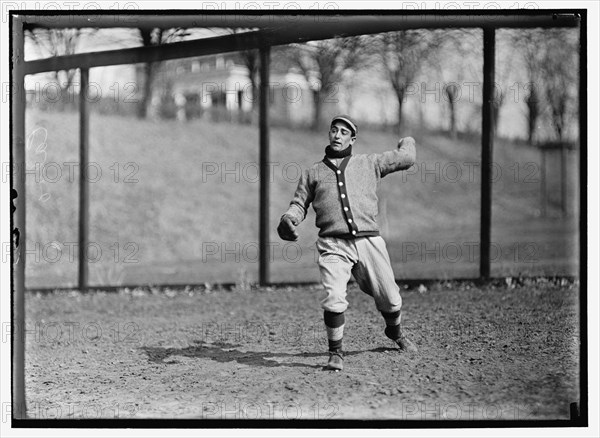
point(343, 191)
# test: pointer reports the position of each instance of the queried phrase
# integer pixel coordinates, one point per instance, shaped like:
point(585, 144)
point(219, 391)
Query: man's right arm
point(298, 208)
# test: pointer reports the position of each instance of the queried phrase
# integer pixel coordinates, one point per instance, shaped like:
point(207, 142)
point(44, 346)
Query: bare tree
point(559, 69)
point(250, 60)
point(529, 44)
point(401, 54)
point(460, 48)
point(58, 42)
point(504, 66)
point(326, 61)
point(151, 37)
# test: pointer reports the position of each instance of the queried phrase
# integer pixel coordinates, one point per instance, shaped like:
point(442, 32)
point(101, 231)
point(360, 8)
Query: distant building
point(219, 88)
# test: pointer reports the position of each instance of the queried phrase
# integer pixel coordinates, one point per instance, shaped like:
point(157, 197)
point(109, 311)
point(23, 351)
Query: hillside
point(175, 202)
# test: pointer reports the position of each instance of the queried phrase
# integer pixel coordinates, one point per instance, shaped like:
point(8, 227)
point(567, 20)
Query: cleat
point(403, 342)
point(406, 344)
point(336, 361)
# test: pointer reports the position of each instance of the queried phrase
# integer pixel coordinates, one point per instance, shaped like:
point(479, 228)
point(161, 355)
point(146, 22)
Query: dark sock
point(393, 332)
point(333, 319)
point(335, 345)
point(392, 322)
point(334, 323)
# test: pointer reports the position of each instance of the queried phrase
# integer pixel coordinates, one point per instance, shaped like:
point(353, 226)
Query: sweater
point(345, 198)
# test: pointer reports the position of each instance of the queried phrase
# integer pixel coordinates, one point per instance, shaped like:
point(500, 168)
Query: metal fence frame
point(301, 27)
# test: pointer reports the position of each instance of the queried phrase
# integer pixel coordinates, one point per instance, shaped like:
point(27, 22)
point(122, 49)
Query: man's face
point(340, 136)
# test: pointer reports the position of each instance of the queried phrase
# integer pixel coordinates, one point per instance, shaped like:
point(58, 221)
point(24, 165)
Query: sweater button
point(349, 221)
point(345, 208)
point(339, 172)
point(353, 232)
point(343, 196)
point(340, 184)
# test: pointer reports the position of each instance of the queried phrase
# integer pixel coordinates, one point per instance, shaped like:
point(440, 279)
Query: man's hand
point(406, 141)
point(287, 228)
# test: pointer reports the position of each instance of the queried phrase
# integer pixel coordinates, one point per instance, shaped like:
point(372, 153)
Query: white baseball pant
point(367, 259)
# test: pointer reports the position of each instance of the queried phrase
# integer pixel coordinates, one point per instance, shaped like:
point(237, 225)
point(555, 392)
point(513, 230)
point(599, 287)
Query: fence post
point(18, 254)
point(582, 172)
point(265, 61)
point(84, 189)
point(487, 147)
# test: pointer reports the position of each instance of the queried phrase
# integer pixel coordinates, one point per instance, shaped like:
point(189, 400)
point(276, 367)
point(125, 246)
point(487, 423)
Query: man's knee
point(335, 303)
point(389, 308)
point(389, 303)
point(337, 306)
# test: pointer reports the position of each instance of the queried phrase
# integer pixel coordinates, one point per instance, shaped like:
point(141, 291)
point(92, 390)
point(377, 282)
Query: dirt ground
point(504, 352)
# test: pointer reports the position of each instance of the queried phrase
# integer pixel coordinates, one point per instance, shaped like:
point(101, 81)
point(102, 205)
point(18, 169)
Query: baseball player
point(343, 191)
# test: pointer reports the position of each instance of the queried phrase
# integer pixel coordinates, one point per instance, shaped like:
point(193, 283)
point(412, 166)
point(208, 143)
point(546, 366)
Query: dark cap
point(348, 121)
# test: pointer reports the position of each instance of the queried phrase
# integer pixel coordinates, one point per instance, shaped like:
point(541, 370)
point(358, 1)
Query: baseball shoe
point(336, 361)
point(406, 344)
point(403, 342)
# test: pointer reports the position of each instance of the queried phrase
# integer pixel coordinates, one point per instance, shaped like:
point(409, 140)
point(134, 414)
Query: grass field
point(501, 353)
point(178, 203)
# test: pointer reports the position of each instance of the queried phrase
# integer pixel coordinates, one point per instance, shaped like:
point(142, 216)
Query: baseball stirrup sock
point(334, 323)
point(392, 322)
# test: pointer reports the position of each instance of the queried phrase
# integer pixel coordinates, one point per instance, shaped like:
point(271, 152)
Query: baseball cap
point(348, 121)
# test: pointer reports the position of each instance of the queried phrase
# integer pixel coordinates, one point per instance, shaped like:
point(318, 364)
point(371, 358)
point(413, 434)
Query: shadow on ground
point(224, 352)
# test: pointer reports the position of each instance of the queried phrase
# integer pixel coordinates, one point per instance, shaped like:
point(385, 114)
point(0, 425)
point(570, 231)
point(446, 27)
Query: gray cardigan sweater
point(345, 198)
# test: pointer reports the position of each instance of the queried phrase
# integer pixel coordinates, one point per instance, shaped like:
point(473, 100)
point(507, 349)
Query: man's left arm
point(400, 159)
